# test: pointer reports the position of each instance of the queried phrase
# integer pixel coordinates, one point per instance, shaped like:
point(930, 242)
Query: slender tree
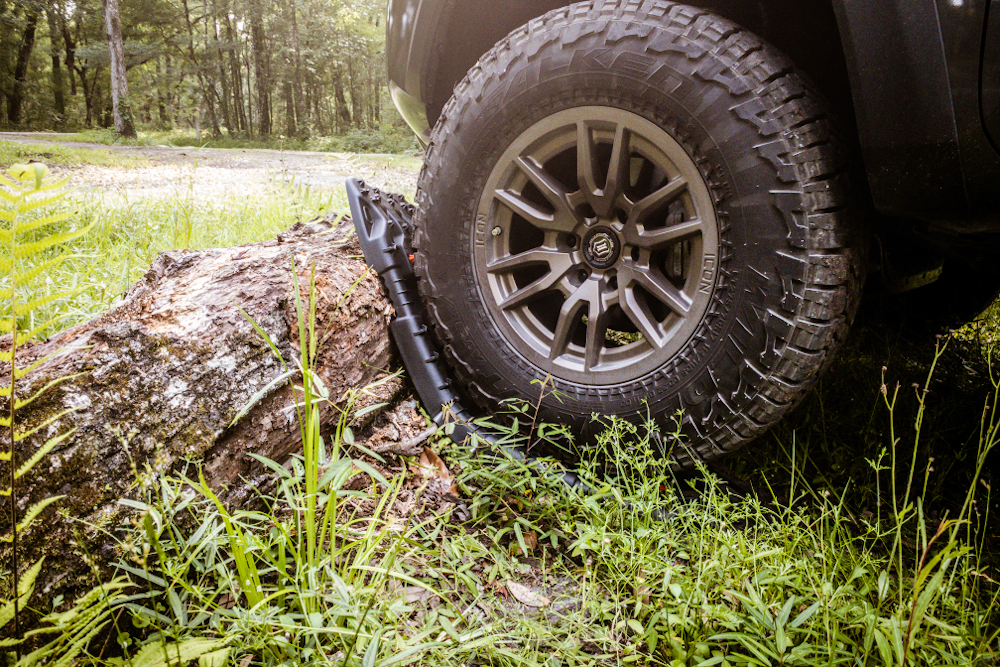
point(121, 109)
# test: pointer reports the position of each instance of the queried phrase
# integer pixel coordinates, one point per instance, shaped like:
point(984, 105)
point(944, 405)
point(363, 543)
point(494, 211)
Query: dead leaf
point(432, 468)
point(525, 595)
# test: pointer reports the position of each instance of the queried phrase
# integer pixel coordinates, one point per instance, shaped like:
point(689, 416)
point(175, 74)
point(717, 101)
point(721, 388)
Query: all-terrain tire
point(788, 275)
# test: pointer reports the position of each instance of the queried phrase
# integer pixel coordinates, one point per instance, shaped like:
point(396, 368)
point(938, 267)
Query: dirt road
point(164, 170)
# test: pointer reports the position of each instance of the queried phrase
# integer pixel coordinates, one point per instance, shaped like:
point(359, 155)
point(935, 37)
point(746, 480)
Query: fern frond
point(51, 420)
point(6, 325)
point(25, 336)
point(5, 456)
point(21, 402)
point(51, 219)
point(5, 264)
point(41, 245)
point(25, 308)
point(30, 516)
point(25, 277)
point(6, 293)
point(42, 451)
point(20, 371)
point(6, 216)
point(25, 587)
point(34, 202)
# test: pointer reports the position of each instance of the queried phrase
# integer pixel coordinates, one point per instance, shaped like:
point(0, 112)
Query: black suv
point(652, 209)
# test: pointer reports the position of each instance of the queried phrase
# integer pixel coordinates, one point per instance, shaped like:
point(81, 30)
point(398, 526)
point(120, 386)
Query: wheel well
point(805, 30)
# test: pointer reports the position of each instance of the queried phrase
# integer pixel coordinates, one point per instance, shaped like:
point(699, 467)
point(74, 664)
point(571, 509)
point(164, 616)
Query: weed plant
point(658, 568)
point(31, 244)
point(312, 578)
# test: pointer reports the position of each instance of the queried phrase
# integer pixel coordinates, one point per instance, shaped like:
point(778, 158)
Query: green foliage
point(12, 152)
point(307, 581)
point(657, 568)
point(31, 241)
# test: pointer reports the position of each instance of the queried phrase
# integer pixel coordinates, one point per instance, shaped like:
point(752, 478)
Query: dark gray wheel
point(645, 207)
point(603, 243)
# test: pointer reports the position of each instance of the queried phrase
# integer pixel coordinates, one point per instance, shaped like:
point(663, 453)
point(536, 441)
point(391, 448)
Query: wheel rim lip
point(526, 334)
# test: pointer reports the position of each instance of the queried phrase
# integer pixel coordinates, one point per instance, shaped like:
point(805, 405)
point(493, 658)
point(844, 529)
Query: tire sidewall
point(718, 370)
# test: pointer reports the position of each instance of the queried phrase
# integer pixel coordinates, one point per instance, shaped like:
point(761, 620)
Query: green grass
point(14, 152)
point(391, 139)
point(858, 532)
point(128, 234)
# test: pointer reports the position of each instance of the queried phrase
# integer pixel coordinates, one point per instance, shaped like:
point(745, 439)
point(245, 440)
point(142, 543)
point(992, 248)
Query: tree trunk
point(16, 99)
point(120, 107)
point(55, 51)
point(261, 69)
point(160, 379)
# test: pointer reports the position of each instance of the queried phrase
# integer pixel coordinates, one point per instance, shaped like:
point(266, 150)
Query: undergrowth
point(12, 152)
point(654, 567)
point(386, 139)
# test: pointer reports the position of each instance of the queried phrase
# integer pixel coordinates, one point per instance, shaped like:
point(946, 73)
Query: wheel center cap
point(601, 247)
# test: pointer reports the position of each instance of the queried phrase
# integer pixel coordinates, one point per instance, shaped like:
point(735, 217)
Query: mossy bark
point(157, 382)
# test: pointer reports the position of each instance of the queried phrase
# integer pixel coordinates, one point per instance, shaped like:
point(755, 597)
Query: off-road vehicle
point(651, 208)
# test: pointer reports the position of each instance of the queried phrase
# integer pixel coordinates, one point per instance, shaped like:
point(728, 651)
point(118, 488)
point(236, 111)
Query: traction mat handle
point(383, 222)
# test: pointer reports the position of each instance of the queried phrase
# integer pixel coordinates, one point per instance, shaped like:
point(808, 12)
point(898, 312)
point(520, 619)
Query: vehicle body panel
point(917, 80)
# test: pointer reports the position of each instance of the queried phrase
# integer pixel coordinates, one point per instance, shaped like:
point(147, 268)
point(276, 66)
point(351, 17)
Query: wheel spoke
point(526, 209)
point(585, 161)
point(559, 264)
point(655, 200)
point(618, 168)
point(569, 318)
point(602, 195)
point(563, 220)
point(640, 316)
point(525, 259)
point(597, 330)
point(657, 286)
point(661, 238)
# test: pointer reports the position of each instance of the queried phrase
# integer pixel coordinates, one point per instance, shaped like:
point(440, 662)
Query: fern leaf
point(6, 293)
point(25, 587)
point(30, 516)
point(36, 247)
point(42, 451)
point(33, 305)
point(21, 402)
point(45, 197)
point(51, 219)
point(5, 456)
point(6, 216)
point(51, 420)
point(25, 336)
point(25, 277)
point(5, 264)
point(21, 371)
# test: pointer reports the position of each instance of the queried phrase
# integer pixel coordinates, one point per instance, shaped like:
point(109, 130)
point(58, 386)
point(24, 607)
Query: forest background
point(292, 70)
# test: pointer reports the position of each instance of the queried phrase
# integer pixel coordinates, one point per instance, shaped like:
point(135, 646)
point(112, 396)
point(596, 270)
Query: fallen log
point(158, 381)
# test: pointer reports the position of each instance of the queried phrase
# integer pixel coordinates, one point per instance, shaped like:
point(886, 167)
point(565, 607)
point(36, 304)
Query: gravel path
point(214, 172)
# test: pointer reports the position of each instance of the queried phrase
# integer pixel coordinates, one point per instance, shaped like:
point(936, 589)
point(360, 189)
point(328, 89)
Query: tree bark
point(120, 107)
point(16, 99)
point(261, 62)
point(55, 37)
point(159, 380)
